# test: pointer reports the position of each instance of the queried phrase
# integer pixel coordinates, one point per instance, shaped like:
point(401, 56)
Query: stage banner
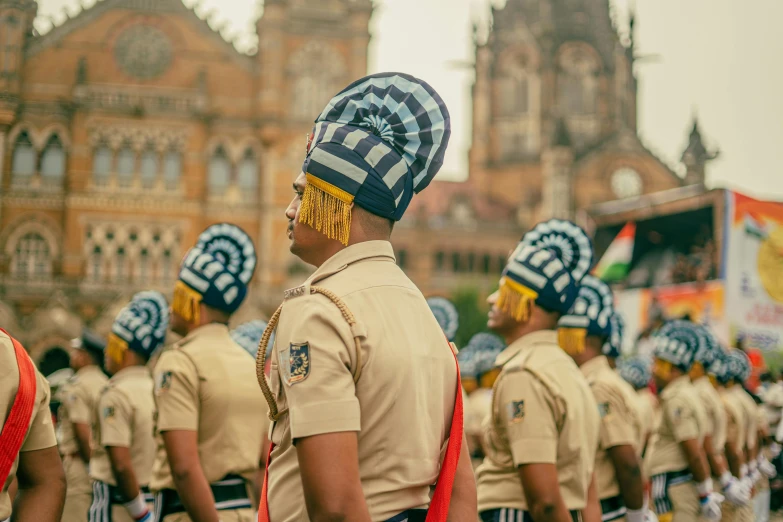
point(753, 254)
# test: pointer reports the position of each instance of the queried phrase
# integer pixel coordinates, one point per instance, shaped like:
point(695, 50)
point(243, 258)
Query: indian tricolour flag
point(616, 261)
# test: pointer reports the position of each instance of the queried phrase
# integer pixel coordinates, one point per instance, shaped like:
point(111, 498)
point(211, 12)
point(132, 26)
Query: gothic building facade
point(554, 133)
point(130, 127)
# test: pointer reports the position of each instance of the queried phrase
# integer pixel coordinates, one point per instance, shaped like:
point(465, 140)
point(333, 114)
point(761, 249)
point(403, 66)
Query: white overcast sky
point(719, 59)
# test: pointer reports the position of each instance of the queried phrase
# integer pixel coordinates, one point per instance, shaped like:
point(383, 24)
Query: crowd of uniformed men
point(361, 389)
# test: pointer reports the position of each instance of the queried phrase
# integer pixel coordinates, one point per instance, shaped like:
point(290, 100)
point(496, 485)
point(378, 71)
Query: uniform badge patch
point(295, 362)
point(108, 413)
point(163, 382)
point(603, 409)
point(515, 411)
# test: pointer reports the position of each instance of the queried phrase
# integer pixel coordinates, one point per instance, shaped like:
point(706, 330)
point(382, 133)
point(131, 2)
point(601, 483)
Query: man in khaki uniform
point(617, 467)
point(486, 348)
point(78, 402)
point(636, 372)
point(715, 416)
point(209, 406)
point(542, 436)
point(343, 396)
point(37, 465)
point(680, 475)
point(124, 438)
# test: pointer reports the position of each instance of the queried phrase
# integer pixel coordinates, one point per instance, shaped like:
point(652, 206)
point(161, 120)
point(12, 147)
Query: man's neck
point(525, 329)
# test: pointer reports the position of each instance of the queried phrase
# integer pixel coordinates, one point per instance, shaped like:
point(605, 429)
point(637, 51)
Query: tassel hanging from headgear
point(186, 303)
point(327, 209)
point(515, 299)
point(572, 340)
point(115, 348)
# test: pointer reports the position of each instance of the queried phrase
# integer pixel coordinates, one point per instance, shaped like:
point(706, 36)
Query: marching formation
point(353, 402)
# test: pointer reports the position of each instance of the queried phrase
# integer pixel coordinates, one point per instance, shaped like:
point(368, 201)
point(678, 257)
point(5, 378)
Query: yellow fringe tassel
point(513, 299)
point(115, 348)
point(327, 209)
point(572, 340)
point(187, 303)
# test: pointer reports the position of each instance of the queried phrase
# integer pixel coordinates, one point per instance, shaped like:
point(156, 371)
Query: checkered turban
point(140, 326)
point(446, 314)
point(377, 142)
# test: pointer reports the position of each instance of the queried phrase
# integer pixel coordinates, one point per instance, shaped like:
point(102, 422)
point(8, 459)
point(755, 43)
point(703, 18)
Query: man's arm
point(542, 493)
point(41, 495)
point(734, 458)
point(329, 467)
point(592, 511)
point(122, 469)
point(464, 502)
point(696, 461)
point(629, 475)
point(715, 459)
point(192, 486)
point(82, 432)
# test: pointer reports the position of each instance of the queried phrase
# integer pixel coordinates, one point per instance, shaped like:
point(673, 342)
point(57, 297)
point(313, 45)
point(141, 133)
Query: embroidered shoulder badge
point(603, 409)
point(108, 413)
point(515, 411)
point(293, 293)
point(163, 382)
point(297, 367)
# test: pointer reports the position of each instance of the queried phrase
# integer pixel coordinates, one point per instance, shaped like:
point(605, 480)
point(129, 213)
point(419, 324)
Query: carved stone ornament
point(143, 52)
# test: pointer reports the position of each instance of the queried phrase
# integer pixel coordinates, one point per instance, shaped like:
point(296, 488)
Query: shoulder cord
point(274, 413)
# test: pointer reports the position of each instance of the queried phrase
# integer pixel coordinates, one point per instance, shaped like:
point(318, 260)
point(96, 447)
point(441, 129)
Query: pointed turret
point(696, 156)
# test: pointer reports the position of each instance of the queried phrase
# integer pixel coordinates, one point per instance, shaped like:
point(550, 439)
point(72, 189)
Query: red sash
point(439, 506)
point(18, 421)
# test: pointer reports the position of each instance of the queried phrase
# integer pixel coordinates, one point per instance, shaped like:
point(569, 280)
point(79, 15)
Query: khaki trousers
point(233, 515)
point(78, 497)
point(685, 503)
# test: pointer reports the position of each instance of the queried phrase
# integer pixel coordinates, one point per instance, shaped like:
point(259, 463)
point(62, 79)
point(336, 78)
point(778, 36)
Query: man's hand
point(736, 491)
point(766, 467)
point(329, 467)
point(709, 500)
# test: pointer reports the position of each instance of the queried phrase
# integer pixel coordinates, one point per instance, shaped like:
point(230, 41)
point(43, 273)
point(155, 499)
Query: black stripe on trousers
point(100, 510)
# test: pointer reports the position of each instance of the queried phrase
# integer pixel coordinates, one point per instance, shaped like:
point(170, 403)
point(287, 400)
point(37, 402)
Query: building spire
point(696, 156)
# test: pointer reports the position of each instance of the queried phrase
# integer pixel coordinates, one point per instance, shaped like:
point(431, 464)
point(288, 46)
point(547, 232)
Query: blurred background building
point(130, 127)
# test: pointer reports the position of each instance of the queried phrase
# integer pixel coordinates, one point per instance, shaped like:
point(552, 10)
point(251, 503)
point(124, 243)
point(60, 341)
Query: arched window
point(32, 257)
point(578, 82)
point(144, 265)
point(101, 164)
point(126, 165)
point(247, 175)
point(23, 163)
point(122, 265)
point(515, 91)
point(172, 169)
point(96, 264)
point(53, 161)
point(149, 168)
point(219, 172)
point(318, 71)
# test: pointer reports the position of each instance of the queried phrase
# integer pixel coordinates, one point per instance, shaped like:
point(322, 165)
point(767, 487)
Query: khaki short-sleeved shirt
point(78, 400)
point(479, 406)
point(649, 415)
point(402, 405)
point(749, 408)
point(715, 412)
point(682, 419)
point(542, 412)
point(736, 432)
point(40, 434)
point(126, 419)
point(205, 383)
point(620, 424)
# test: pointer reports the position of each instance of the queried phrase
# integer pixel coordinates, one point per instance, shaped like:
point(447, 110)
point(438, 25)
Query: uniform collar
point(526, 342)
point(87, 370)
point(352, 254)
point(131, 372)
point(206, 330)
point(595, 365)
point(674, 386)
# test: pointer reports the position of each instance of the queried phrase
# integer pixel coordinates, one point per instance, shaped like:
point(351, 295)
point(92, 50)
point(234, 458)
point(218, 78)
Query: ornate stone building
point(554, 133)
point(129, 128)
